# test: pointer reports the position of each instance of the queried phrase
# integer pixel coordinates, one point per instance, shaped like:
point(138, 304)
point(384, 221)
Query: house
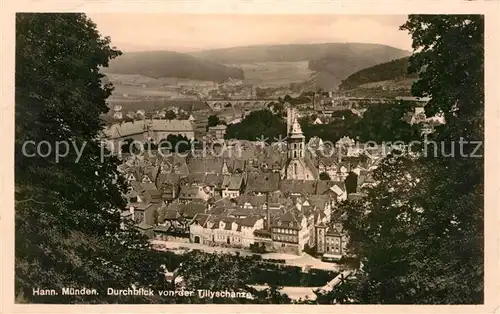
point(177, 217)
point(193, 193)
point(207, 164)
point(233, 165)
point(317, 121)
point(147, 129)
point(331, 240)
point(224, 230)
point(118, 115)
point(213, 183)
point(140, 113)
point(297, 187)
point(334, 189)
point(168, 184)
point(290, 232)
point(262, 182)
point(232, 185)
point(218, 132)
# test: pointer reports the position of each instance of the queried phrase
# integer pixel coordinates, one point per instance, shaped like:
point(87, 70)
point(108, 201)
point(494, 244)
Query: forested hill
point(392, 70)
point(158, 64)
point(303, 52)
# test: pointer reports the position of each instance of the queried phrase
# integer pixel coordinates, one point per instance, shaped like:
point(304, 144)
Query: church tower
point(297, 167)
point(296, 141)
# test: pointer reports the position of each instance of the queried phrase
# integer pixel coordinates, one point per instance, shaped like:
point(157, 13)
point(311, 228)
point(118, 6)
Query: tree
point(67, 210)
point(272, 295)
point(351, 183)
point(420, 240)
point(288, 99)
point(257, 125)
point(170, 115)
point(175, 143)
point(385, 123)
point(324, 176)
point(216, 272)
point(213, 120)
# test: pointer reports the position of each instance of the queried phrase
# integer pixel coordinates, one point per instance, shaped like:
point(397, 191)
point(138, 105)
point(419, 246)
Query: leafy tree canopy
point(258, 124)
point(419, 231)
point(213, 121)
point(67, 211)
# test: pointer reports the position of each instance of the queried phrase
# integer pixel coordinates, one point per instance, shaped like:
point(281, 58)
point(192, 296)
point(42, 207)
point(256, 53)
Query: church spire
point(296, 130)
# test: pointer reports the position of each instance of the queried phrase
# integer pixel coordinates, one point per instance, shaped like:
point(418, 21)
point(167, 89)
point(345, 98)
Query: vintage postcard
point(244, 156)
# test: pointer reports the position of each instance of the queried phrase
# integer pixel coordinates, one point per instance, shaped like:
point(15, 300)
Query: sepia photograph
point(305, 159)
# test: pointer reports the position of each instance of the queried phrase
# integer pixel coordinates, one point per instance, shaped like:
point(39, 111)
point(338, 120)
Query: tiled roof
point(197, 178)
point(190, 192)
point(263, 182)
point(326, 186)
point(318, 201)
point(167, 178)
point(249, 221)
point(201, 219)
point(327, 160)
point(173, 125)
point(304, 187)
point(238, 211)
point(234, 163)
point(290, 219)
point(124, 129)
point(190, 210)
point(205, 165)
point(137, 186)
point(144, 226)
point(171, 214)
point(262, 233)
point(148, 186)
point(232, 182)
point(152, 172)
point(213, 179)
point(118, 130)
point(224, 202)
point(254, 200)
point(175, 206)
point(146, 197)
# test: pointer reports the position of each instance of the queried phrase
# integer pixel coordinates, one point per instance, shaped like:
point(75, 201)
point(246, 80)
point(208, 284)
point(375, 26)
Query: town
point(258, 197)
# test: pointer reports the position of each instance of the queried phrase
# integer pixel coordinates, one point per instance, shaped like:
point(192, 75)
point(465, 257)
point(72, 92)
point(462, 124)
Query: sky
point(192, 32)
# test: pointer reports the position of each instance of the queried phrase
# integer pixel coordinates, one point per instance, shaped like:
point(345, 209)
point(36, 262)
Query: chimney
point(268, 216)
point(288, 118)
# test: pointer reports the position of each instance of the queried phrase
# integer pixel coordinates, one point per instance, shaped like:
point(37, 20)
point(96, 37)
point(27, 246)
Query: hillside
point(388, 73)
point(329, 63)
point(158, 64)
point(300, 52)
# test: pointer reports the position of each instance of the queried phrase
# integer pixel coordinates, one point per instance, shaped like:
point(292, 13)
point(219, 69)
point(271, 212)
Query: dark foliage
point(158, 64)
point(392, 70)
point(257, 125)
point(419, 232)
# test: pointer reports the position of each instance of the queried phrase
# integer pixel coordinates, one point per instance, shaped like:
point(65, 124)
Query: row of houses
point(237, 208)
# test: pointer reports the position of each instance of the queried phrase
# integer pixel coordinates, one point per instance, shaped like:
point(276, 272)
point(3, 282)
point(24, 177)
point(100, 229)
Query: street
point(304, 261)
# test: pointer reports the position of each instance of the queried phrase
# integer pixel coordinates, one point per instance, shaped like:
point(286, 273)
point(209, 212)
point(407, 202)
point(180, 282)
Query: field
point(275, 74)
point(390, 84)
